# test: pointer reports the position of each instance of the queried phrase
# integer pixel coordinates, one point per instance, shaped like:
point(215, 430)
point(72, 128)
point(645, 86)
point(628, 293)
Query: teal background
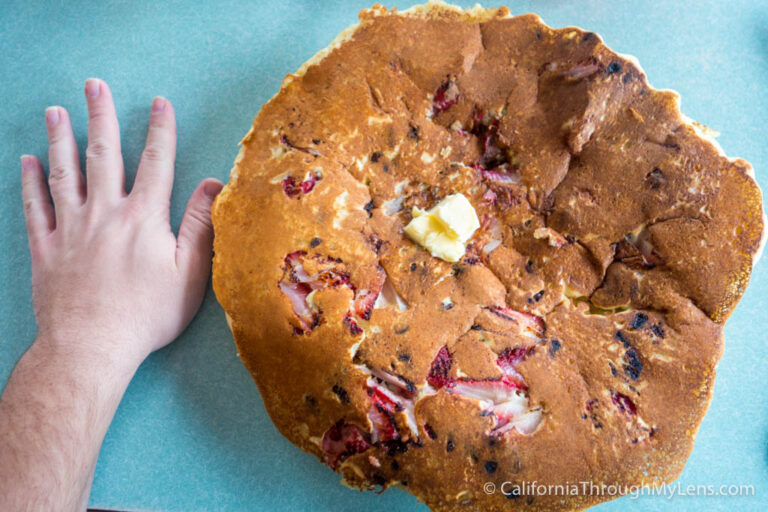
point(191, 433)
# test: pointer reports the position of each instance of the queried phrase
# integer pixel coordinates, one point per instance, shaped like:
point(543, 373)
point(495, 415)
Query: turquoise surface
point(191, 433)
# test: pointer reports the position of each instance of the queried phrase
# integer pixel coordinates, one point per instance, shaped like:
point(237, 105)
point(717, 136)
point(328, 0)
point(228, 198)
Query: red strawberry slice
point(382, 414)
point(297, 293)
point(353, 326)
point(297, 284)
point(532, 325)
point(365, 299)
point(438, 371)
point(503, 398)
point(582, 69)
point(308, 184)
point(502, 175)
point(446, 96)
point(391, 394)
point(509, 359)
point(487, 390)
point(293, 188)
point(289, 186)
point(623, 403)
point(342, 440)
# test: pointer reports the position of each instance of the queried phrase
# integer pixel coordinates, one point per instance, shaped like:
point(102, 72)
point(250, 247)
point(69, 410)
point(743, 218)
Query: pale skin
point(110, 285)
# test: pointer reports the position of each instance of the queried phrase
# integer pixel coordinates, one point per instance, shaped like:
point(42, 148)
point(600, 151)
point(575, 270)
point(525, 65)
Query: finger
point(194, 246)
point(104, 162)
point(64, 177)
point(38, 209)
point(154, 178)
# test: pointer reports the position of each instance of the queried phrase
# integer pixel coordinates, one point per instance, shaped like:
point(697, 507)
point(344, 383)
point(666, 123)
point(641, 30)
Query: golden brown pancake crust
point(615, 242)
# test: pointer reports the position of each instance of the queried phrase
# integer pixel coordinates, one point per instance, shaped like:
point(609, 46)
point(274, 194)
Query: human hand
point(108, 275)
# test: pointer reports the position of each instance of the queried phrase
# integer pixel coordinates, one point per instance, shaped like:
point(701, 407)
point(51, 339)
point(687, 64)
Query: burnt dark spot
point(315, 242)
point(658, 330)
point(527, 223)
point(538, 296)
point(588, 36)
point(311, 401)
point(457, 270)
point(634, 366)
point(529, 266)
point(375, 242)
point(655, 178)
point(430, 431)
point(368, 207)
point(449, 446)
point(395, 466)
point(395, 446)
point(375, 156)
point(512, 492)
point(622, 338)
point(404, 357)
point(474, 458)
point(316, 141)
point(491, 442)
point(639, 321)
point(614, 372)
point(631, 372)
point(413, 132)
point(491, 466)
point(341, 393)
point(413, 267)
point(538, 35)
point(613, 67)
point(402, 329)
point(476, 327)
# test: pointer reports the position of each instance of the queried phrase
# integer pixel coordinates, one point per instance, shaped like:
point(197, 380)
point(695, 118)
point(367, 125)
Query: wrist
point(85, 351)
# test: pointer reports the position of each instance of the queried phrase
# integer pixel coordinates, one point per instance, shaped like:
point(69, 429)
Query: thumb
point(194, 245)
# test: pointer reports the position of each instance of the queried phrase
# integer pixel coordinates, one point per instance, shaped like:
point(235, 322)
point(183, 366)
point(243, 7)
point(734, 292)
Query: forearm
point(54, 413)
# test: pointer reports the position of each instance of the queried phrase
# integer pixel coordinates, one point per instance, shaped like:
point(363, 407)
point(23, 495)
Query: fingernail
point(158, 104)
point(92, 88)
point(27, 161)
point(212, 188)
point(52, 116)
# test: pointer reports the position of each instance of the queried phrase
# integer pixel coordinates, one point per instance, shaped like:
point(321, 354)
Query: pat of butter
point(445, 229)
